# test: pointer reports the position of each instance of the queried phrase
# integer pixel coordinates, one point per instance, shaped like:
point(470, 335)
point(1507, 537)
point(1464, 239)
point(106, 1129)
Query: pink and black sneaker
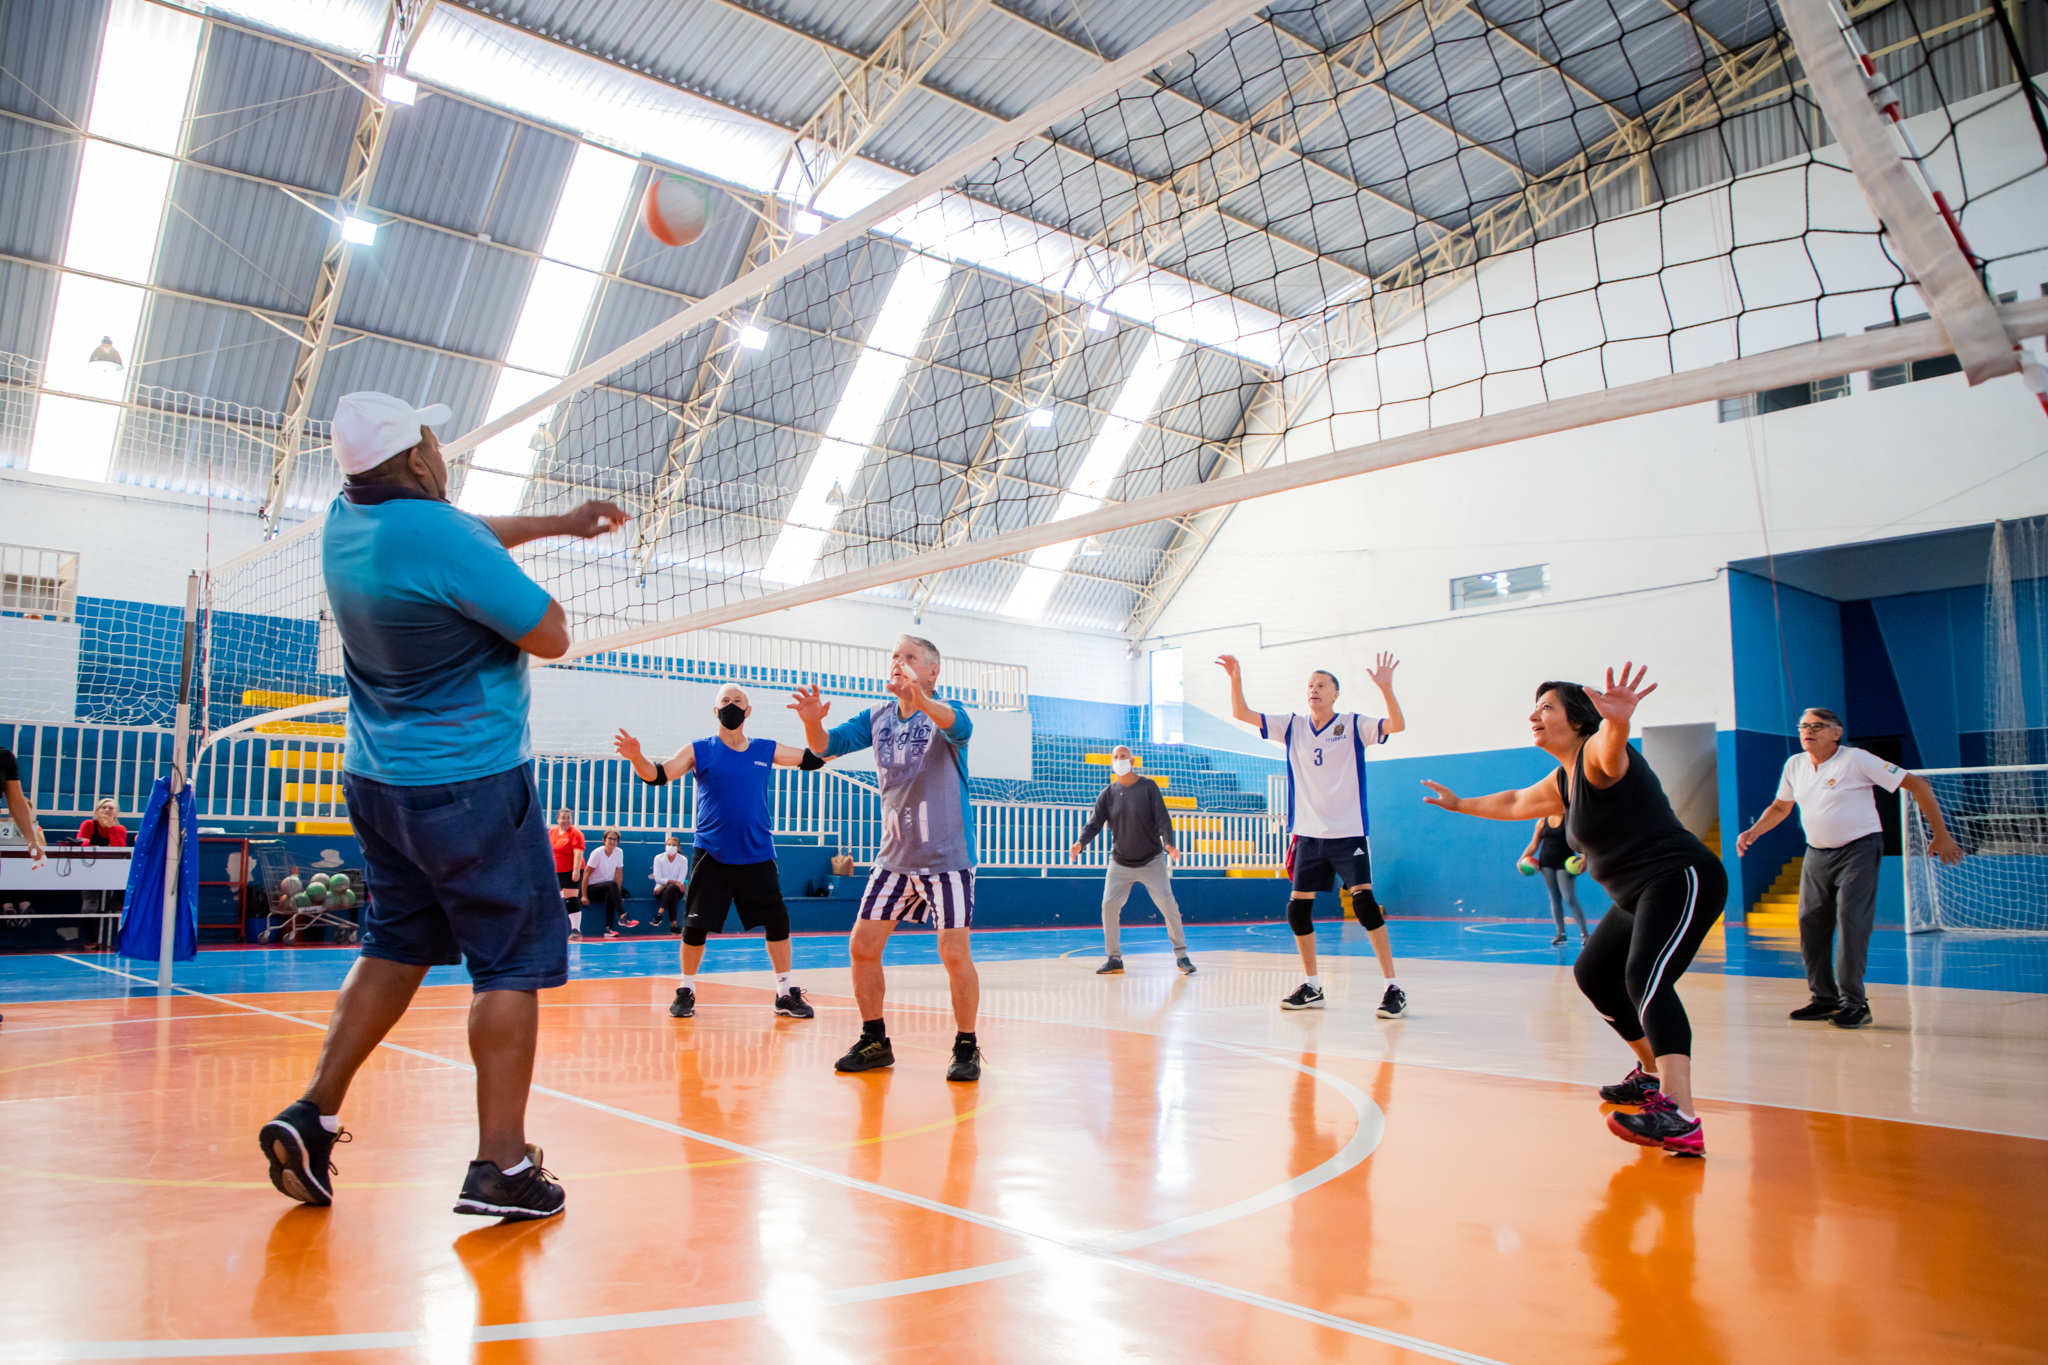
point(1659, 1124)
point(1638, 1087)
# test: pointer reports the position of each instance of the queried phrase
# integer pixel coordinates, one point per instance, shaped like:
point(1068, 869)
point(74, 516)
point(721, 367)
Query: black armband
point(810, 762)
point(660, 778)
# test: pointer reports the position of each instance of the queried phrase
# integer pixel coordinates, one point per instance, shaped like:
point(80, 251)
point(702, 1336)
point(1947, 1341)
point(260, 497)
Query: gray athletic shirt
point(1138, 823)
point(927, 823)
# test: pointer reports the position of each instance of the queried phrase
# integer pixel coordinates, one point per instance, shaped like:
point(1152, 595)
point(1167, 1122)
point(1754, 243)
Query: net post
point(167, 938)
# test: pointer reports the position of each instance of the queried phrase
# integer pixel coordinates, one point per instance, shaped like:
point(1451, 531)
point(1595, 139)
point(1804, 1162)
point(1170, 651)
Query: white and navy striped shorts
point(945, 900)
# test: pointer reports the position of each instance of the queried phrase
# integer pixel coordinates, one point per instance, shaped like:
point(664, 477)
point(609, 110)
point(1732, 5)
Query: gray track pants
point(1156, 878)
point(1838, 886)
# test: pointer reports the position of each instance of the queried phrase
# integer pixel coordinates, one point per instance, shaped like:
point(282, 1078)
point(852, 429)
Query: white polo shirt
point(1835, 802)
point(670, 867)
point(604, 866)
point(1325, 771)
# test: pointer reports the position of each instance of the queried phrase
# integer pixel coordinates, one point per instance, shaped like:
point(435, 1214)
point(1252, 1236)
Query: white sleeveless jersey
point(1325, 772)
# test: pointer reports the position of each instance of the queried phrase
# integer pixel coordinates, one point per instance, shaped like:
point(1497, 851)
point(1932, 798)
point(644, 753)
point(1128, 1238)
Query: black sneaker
point(298, 1148)
point(1814, 1010)
point(1659, 1124)
point(869, 1054)
point(1559, 940)
point(1852, 1016)
point(794, 1005)
point(685, 1003)
point(1393, 1004)
point(1635, 1088)
point(1113, 967)
point(966, 1062)
point(1305, 997)
point(489, 1193)
point(1187, 967)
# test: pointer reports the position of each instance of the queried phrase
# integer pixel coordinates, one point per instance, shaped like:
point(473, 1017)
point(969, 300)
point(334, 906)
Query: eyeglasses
point(1814, 726)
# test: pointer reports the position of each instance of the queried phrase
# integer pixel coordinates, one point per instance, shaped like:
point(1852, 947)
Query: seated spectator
point(671, 872)
point(105, 829)
point(603, 882)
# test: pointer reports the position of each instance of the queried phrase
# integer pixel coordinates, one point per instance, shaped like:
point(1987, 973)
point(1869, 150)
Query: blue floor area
point(2018, 963)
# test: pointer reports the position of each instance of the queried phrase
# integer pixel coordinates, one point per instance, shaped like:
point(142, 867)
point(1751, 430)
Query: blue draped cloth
point(143, 911)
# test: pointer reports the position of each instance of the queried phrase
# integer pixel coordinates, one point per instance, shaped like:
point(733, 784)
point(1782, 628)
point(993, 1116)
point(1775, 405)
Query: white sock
point(1682, 1114)
point(331, 1122)
point(782, 983)
point(525, 1164)
point(689, 983)
point(1315, 983)
point(1394, 983)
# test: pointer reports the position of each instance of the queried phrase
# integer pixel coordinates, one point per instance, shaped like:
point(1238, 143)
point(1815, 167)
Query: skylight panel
point(870, 390)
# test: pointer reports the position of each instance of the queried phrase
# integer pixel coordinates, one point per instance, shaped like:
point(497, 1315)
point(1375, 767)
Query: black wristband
point(660, 778)
point(810, 762)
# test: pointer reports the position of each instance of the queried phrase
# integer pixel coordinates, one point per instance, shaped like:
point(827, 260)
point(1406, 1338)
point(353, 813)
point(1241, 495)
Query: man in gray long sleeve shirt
point(1141, 840)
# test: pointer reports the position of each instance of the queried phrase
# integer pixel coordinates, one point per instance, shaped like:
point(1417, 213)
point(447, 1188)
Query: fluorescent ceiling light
point(877, 375)
point(399, 90)
point(806, 223)
point(360, 231)
point(753, 338)
point(1136, 401)
point(116, 211)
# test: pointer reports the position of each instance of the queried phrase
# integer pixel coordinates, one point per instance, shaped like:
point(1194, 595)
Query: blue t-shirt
point(428, 604)
point(927, 820)
point(735, 792)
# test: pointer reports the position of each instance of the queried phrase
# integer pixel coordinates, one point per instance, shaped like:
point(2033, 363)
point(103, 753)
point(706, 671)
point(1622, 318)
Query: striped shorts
point(945, 900)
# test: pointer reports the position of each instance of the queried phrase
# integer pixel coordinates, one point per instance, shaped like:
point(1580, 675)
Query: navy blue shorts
point(462, 872)
point(1331, 864)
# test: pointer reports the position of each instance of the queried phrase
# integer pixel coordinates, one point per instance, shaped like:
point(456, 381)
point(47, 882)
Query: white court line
point(1365, 1137)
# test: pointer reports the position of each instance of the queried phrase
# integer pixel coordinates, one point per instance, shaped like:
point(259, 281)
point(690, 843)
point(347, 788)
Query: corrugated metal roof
point(48, 53)
point(269, 110)
point(38, 175)
point(219, 352)
point(425, 286)
point(454, 164)
point(240, 241)
point(27, 294)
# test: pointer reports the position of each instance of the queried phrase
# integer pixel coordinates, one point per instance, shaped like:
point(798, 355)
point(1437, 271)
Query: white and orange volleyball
point(676, 209)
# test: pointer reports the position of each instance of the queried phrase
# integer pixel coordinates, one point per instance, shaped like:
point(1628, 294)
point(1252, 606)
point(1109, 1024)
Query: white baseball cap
point(369, 428)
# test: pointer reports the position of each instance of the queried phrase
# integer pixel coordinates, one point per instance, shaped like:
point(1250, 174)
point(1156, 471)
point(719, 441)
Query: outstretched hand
point(593, 519)
point(1620, 700)
point(1445, 798)
point(625, 746)
point(808, 705)
point(1228, 663)
point(1382, 673)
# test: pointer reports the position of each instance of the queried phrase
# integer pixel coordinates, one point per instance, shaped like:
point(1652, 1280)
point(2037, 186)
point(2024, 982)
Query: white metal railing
point(772, 660)
point(1027, 834)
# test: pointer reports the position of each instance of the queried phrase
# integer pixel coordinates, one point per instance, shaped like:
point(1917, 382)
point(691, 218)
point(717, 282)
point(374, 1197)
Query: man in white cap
point(436, 621)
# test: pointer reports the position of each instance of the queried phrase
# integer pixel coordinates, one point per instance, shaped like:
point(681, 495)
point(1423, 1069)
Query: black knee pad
point(777, 924)
point(1366, 906)
point(1301, 916)
point(695, 936)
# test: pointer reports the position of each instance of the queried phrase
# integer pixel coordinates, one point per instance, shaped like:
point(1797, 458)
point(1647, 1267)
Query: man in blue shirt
point(436, 624)
point(925, 870)
point(734, 845)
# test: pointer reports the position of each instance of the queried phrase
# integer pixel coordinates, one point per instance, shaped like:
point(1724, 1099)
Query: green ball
point(338, 882)
point(1525, 867)
point(317, 879)
point(1575, 864)
point(302, 900)
point(317, 892)
point(348, 900)
point(291, 886)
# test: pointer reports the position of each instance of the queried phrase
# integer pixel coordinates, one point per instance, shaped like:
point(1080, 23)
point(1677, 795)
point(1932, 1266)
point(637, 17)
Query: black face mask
point(732, 715)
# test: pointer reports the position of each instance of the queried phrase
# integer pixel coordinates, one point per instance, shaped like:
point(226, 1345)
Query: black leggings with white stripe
point(1631, 963)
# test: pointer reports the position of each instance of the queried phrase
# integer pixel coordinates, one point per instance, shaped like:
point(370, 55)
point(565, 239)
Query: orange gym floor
point(1154, 1168)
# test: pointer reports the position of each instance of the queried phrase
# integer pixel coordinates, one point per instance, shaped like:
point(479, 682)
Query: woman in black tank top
point(1668, 892)
point(1548, 854)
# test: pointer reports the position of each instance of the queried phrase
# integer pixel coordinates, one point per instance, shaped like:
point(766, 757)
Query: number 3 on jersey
point(1319, 758)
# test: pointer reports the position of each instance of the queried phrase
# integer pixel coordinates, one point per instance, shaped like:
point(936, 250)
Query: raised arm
point(790, 756)
point(812, 709)
point(590, 520)
point(1228, 663)
point(628, 748)
point(1607, 751)
point(1383, 678)
point(1542, 799)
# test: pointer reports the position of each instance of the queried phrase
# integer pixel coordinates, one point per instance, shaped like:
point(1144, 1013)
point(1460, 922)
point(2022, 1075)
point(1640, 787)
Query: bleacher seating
point(1217, 780)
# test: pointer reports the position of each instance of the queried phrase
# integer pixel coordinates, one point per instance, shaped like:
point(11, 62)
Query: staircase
point(1776, 911)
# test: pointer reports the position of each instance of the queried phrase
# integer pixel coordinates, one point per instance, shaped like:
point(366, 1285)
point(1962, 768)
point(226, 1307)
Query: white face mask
point(1119, 766)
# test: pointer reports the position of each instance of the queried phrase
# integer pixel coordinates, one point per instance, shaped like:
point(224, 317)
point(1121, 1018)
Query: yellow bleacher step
point(302, 760)
point(1245, 871)
point(313, 791)
point(302, 727)
point(1179, 802)
point(341, 827)
point(277, 701)
point(1102, 760)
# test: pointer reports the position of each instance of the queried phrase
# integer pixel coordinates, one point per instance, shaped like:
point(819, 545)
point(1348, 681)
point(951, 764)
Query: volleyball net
point(1271, 248)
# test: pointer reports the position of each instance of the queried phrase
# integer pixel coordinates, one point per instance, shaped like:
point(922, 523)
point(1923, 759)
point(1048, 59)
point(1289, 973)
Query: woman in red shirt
point(104, 830)
point(567, 842)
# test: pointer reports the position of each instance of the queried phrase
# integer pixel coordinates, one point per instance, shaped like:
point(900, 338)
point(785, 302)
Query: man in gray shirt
point(1141, 840)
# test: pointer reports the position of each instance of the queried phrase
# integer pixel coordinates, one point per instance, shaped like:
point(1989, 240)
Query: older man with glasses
point(1832, 784)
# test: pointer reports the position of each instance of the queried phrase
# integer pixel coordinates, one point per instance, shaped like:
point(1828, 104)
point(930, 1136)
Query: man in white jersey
point(925, 868)
point(1326, 815)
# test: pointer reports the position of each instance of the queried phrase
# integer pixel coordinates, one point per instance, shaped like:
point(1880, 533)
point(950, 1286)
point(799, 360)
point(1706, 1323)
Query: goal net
point(1270, 248)
point(1999, 817)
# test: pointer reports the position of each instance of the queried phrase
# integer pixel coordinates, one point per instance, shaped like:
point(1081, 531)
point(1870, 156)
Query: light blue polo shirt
point(428, 604)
